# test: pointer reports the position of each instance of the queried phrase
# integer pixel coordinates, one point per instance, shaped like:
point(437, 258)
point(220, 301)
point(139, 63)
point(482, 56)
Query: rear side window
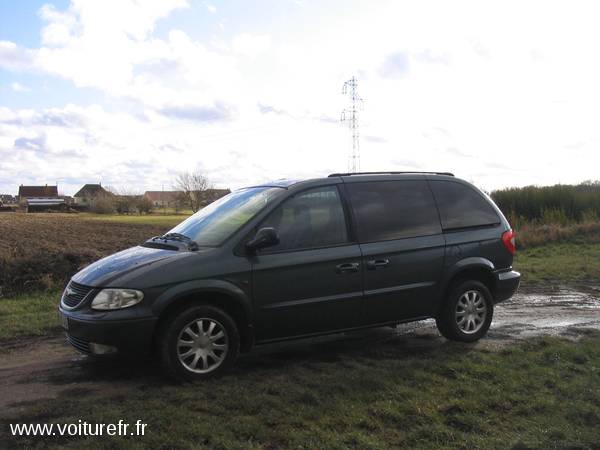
point(461, 206)
point(313, 218)
point(387, 210)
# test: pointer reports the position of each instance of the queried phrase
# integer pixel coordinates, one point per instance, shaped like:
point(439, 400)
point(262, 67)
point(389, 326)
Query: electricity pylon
point(350, 116)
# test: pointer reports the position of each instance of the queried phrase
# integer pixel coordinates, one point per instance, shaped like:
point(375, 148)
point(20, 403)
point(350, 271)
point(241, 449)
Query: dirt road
point(37, 369)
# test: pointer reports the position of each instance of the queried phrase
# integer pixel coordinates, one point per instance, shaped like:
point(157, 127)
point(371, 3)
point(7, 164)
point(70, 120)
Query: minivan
point(293, 259)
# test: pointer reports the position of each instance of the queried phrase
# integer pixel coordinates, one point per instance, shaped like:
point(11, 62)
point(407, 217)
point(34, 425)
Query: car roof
point(286, 183)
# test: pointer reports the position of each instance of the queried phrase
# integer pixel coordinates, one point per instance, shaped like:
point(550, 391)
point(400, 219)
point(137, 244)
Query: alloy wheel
point(202, 345)
point(471, 311)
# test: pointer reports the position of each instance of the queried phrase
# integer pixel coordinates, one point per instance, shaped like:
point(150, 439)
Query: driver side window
point(311, 219)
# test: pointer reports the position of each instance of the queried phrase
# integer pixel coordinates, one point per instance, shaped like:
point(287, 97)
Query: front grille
point(74, 294)
point(79, 344)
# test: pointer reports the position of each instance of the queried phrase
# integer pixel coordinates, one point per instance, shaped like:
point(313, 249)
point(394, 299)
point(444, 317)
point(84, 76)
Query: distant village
point(95, 198)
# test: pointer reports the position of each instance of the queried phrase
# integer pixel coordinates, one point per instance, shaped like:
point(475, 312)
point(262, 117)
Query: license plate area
point(64, 321)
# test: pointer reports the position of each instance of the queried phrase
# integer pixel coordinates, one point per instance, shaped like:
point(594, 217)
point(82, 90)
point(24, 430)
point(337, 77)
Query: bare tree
point(193, 186)
point(125, 199)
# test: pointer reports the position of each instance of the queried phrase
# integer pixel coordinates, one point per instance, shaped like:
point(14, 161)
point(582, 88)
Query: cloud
point(251, 45)
point(218, 112)
point(376, 139)
point(431, 57)
point(70, 116)
point(458, 152)
point(306, 115)
point(325, 118)
point(406, 164)
point(36, 143)
point(13, 57)
point(267, 109)
point(574, 145)
point(268, 93)
point(211, 8)
point(495, 165)
point(396, 65)
point(18, 87)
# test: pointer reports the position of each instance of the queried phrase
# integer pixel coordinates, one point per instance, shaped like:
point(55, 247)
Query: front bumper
point(507, 283)
point(128, 336)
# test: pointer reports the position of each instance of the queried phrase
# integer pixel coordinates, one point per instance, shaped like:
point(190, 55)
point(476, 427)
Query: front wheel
point(199, 342)
point(467, 313)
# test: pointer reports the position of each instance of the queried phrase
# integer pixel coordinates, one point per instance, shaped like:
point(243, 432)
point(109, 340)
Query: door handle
point(347, 267)
point(375, 264)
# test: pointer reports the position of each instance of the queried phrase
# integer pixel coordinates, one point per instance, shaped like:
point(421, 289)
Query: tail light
point(508, 239)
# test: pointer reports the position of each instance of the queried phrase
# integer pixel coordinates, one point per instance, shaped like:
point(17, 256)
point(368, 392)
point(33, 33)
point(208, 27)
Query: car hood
point(126, 265)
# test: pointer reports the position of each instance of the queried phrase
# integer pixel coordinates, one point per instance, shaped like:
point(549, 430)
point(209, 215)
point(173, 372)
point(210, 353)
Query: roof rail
point(386, 173)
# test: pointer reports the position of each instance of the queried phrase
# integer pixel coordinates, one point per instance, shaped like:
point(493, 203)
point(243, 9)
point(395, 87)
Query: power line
point(350, 116)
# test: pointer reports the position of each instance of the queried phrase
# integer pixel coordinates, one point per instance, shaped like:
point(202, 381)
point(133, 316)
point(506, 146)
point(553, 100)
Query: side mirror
point(265, 237)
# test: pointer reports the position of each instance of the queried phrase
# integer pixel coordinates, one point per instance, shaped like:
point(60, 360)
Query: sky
point(131, 93)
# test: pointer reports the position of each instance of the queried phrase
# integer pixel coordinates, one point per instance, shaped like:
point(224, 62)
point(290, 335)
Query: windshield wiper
point(173, 237)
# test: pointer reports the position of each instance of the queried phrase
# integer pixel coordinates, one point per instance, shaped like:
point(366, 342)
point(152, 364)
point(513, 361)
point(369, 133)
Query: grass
point(542, 393)
point(29, 315)
point(169, 220)
point(531, 235)
point(559, 263)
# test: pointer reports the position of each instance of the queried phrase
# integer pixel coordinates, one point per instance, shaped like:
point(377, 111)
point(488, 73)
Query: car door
point(402, 246)
point(311, 281)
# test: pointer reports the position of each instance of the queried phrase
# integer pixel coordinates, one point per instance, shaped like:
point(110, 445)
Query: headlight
point(117, 298)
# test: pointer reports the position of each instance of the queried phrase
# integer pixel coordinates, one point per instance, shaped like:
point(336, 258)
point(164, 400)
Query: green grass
point(560, 263)
point(145, 219)
point(29, 315)
point(543, 393)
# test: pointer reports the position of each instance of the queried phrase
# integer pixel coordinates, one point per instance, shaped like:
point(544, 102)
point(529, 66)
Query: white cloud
point(18, 87)
point(13, 57)
point(251, 45)
point(511, 94)
point(211, 8)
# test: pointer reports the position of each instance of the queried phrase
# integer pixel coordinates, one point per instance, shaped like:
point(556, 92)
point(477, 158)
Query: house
point(7, 199)
point(36, 192)
point(164, 199)
point(89, 193)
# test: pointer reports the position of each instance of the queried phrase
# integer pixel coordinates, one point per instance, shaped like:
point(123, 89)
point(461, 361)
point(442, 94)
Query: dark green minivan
point(292, 259)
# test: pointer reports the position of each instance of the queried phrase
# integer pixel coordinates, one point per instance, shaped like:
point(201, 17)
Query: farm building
point(45, 204)
point(89, 194)
point(36, 192)
point(164, 199)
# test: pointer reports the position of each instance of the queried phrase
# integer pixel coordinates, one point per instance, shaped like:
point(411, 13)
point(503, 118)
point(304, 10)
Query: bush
point(144, 205)
point(535, 235)
point(104, 205)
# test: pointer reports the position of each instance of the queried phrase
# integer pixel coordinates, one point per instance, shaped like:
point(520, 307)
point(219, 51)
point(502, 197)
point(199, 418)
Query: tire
point(467, 312)
point(213, 338)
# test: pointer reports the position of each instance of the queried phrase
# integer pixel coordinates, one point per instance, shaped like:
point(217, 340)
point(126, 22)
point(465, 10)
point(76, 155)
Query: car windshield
point(210, 226)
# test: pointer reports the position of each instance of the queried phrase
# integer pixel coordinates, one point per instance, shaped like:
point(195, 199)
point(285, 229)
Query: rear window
point(387, 210)
point(462, 206)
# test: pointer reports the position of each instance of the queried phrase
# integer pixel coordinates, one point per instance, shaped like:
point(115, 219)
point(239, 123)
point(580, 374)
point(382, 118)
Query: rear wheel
point(198, 342)
point(467, 313)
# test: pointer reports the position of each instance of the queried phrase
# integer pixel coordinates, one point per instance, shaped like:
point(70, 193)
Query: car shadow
point(84, 372)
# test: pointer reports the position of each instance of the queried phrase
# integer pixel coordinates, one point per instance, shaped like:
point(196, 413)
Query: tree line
point(561, 203)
